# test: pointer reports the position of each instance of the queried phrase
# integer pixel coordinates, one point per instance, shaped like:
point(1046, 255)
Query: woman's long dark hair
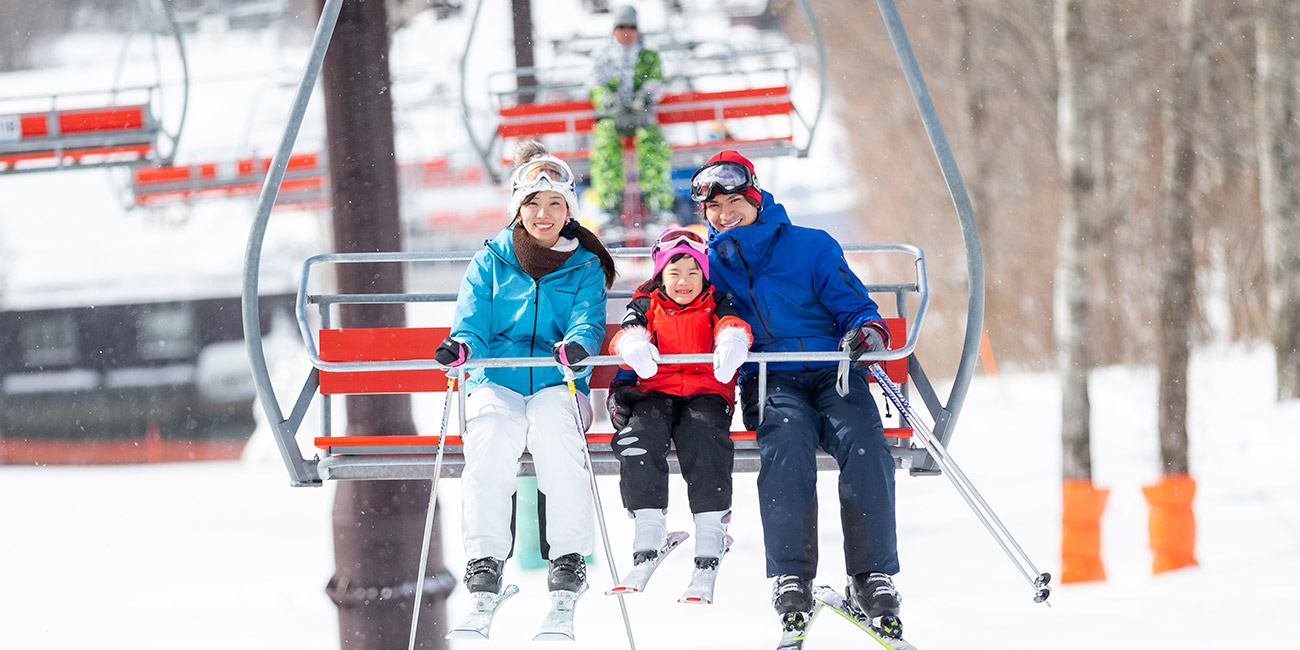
point(526, 151)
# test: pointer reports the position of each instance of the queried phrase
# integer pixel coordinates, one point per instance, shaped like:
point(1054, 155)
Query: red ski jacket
point(678, 329)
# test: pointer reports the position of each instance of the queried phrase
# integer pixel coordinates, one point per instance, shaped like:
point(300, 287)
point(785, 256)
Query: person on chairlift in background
point(677, 311)
point(626, 83)
point(537, 289)
point(795, 289)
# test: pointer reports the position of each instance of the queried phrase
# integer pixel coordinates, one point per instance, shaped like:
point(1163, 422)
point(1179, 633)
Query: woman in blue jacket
point(536, 289)
point(798, 294)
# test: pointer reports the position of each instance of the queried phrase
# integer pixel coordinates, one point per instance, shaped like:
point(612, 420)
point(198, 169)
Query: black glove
point(871, 336)
point(569, 353)
point(451, 353)
point(619, 402)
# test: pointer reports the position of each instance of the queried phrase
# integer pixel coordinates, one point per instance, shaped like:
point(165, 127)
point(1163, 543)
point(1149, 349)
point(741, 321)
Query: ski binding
point(636, 578)
point(558, 625)
point(700, 589)
point(478, 623)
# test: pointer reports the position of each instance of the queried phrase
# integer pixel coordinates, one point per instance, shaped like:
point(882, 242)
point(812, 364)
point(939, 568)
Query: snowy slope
point(222, 555)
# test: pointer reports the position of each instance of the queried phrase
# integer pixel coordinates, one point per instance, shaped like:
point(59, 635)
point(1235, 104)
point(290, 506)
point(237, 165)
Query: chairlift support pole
point(170, 15)
point(821, 75)
point(300, 472)
point(946, 415)
point(484, 152)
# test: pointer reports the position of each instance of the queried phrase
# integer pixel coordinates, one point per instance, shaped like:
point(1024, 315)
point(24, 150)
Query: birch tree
point(1277, 139)
point(1077, 238)
point(1178, 278)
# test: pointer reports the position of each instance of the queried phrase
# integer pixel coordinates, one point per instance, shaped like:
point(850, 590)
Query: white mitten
point(731, 350)
point(637, 350)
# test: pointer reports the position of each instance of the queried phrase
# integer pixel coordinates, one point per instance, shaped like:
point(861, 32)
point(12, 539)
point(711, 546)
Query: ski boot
point(484, 575)
point(874, 596)
point(567, 573)
point(792, 599)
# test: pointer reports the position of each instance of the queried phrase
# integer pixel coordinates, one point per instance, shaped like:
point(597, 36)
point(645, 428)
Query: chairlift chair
point(738, 98)
point(427, 462)
point(89, 132)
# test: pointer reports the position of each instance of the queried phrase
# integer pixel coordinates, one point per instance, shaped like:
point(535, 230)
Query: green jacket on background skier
point(627, 81)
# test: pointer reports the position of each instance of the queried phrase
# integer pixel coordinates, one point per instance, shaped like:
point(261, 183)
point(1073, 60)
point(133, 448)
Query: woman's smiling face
point(543, 215)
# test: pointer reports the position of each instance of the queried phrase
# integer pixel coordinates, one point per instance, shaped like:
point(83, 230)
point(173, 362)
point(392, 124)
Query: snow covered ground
point(225, 554)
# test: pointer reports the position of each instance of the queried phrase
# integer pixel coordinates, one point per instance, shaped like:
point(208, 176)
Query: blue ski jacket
point(790, 283)
point(503, 312)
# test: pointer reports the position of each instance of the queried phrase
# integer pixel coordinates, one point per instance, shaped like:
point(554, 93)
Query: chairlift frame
point(306, 473)
point(766, 147)
point(55, 138)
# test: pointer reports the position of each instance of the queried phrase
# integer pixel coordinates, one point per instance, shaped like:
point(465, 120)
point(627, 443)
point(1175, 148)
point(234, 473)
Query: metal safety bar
point(920, 286)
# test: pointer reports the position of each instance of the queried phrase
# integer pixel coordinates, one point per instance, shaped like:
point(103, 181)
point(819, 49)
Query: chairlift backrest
point(355, 361)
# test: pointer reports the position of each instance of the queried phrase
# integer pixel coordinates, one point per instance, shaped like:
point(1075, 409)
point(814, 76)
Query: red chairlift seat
point(305, 186)
point(568, 121)
point(305, 181)
point(77, 137)
point(353, 453)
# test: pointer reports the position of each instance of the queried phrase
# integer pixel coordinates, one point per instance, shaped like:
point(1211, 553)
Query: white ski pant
point(500, 425)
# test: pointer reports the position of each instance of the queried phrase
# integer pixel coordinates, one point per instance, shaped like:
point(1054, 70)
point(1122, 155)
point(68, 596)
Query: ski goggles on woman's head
point(723, 177)
point(553, 171)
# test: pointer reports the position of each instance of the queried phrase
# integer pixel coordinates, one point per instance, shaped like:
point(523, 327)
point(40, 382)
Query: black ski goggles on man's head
point(722, 177)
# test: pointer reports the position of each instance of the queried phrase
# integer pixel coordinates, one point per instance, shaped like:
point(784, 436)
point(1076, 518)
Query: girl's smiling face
point(727, 211)
point(683, 280)
point(543, 214)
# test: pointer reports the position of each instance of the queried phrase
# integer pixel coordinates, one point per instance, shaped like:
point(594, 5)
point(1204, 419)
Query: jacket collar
point(504, 246)
point(754, 241)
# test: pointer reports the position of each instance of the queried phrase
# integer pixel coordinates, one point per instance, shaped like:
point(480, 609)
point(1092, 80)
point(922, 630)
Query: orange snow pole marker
point(1172, 523)
point(1082, 505)
point(987, 359)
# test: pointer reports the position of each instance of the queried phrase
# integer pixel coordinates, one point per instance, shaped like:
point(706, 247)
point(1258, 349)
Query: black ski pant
point(700, 427)
point(804, 411)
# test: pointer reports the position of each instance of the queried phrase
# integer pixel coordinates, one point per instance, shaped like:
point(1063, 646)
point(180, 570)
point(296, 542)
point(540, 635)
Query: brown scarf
point(537, 260)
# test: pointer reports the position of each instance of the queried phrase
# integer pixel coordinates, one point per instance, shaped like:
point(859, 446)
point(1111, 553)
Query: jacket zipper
point(532, 339)
point(749, 275)
point(537, 293)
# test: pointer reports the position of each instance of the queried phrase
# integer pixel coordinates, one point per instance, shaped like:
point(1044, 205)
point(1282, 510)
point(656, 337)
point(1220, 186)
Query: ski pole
point(967, 490)
point(569, 376)
point(433, 497)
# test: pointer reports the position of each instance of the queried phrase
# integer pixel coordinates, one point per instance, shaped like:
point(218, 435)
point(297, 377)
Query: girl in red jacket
point(677, 312)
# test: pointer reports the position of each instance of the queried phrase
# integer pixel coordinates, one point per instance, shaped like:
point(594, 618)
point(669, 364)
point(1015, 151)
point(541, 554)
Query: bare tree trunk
point(1077, 238)
point(972, 94)
point(522, 12)
point(1278, 142)
point(378, 525)
point(1178, 280)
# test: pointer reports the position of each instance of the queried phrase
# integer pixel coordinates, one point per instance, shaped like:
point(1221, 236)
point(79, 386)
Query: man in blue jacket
point(794, 287)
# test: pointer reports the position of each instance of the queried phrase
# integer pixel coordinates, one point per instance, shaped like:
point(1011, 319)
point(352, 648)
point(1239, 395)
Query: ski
point(794, 628)
point(700, 589)
point(637, 577)
point(478, 622)
point(888, 633)
point(558, 625)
